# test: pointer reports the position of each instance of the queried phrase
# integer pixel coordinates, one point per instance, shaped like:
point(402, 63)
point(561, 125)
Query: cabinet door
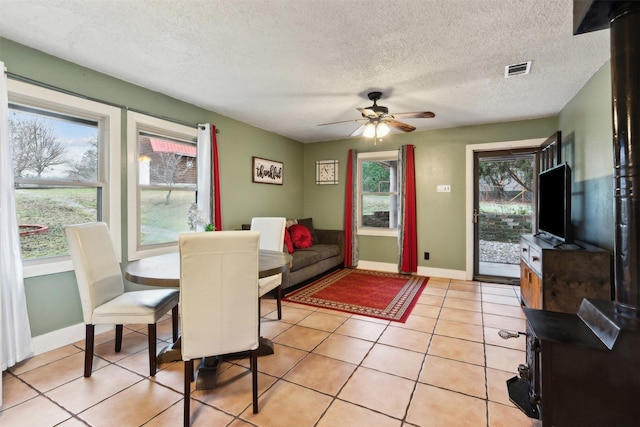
point(535, 289)
point(530, 287)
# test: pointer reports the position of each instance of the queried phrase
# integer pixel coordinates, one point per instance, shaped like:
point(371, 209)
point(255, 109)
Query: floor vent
point(517, 69)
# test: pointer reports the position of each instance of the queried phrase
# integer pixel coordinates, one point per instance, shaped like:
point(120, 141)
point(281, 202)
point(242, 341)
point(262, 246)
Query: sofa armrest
point(328, 237)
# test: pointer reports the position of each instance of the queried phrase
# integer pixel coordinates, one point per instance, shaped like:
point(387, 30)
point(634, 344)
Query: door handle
point(475, 216)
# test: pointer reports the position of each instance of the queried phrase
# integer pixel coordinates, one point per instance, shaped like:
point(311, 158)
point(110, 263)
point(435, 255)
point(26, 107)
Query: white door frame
point(470, 151)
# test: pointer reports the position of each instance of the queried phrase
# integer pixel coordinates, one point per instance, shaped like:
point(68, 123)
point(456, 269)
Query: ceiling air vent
point(517, 69)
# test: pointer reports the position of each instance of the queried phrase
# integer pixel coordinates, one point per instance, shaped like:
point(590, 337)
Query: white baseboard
point(423, 271)
point(61, 337)
point(377, 266)
point(443, 273)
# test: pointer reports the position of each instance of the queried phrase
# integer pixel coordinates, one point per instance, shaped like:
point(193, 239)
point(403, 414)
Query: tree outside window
point(55, 164)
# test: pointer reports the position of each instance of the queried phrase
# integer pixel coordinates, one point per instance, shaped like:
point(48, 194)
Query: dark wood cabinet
point(556, 277)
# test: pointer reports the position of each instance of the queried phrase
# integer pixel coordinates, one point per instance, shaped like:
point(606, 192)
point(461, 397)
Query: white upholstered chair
point(271, 238)
point(102, 295)
point(218, 300)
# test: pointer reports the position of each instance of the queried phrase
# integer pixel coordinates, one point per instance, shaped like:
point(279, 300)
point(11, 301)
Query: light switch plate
point(443, 189)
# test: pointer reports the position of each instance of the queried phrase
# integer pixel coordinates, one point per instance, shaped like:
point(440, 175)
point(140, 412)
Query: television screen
point(554, 202)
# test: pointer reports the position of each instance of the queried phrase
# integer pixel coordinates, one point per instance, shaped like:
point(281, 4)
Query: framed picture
point(267, 171)
point(326, 172)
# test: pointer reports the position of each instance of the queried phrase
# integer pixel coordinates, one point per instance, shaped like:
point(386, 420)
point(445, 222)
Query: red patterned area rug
point(377, 294)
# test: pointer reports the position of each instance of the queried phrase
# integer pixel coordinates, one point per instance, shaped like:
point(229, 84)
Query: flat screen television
point(554, 203)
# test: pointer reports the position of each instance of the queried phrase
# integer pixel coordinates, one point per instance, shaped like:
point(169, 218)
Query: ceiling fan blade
point(359, 130)
point(343, 121)
point(415, 115)
point(400, 126)
point(368, 112)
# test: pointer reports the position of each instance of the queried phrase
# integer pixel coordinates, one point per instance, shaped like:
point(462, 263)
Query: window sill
point(381, 232)
point(43, 268)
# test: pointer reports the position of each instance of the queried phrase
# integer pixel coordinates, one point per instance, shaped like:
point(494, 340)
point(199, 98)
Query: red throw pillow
point(287, 241)
point(300, 236)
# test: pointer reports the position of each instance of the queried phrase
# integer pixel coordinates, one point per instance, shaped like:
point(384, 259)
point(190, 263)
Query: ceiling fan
point(377, 120)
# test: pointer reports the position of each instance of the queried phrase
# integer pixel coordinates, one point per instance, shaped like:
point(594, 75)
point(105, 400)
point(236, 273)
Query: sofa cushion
point(300, 236)
point(290, 222)
point(308, 222)
point(303, 258)
point(326, 251)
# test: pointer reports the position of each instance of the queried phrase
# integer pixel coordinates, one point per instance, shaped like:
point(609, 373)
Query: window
point(66, 171)
point(162, 170)
point(378, 193)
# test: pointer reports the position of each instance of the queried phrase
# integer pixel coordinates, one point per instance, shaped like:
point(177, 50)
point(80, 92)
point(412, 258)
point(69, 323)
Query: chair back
point(95, 264)
point(218, 292)
point(271, 232)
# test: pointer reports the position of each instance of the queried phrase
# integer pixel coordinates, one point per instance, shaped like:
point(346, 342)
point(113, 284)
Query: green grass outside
point(54, 208)
point(162, 221)
point(373, 203)
point(57, 207)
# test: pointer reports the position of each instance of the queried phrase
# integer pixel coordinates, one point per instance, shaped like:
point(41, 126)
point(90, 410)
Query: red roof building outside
point(160, 146)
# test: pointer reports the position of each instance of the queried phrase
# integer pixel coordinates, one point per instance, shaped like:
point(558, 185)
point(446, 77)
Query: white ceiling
point(288, 65)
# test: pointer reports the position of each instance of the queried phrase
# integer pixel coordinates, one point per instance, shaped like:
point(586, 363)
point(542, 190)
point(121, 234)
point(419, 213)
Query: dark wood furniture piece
point(556, 277)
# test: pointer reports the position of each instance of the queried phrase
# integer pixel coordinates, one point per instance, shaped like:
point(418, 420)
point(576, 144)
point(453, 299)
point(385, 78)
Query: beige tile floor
point(446, 366)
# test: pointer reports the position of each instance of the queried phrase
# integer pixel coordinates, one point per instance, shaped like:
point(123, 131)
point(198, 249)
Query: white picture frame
point(326, 172)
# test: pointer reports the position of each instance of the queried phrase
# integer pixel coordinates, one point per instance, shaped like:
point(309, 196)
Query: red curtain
point(217, 211)
point(409, 263)
point(348, 213)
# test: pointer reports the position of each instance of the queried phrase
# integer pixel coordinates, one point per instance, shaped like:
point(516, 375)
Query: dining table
point(164, 270)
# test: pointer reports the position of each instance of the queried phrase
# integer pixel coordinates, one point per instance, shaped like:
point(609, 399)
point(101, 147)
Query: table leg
point(170, 353)
point(208, 372)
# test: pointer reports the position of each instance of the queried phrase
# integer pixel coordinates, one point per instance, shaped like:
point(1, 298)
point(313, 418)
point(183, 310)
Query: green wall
point(53, 301)
point(587, 145)
point(440, 159)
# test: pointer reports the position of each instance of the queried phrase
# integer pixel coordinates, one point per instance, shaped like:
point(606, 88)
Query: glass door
point(504, 201)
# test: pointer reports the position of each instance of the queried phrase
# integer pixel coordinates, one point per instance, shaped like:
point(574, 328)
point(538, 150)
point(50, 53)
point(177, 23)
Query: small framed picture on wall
point(326, 172)
point(267, 171)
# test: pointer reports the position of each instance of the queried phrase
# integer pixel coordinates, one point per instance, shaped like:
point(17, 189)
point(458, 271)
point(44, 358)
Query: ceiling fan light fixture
point(383, 129)
point(369, 130)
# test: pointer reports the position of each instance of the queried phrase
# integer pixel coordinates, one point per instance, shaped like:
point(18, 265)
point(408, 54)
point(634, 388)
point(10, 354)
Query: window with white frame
point(162, 183)
point(66, 158)
point(378, 193)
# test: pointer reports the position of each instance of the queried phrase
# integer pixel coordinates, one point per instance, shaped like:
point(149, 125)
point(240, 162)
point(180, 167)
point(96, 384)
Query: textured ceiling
point(288, 65)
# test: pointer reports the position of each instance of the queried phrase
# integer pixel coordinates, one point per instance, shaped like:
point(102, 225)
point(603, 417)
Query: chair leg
point(118, 338)
point(188, 377)
point(152, 349)
point(279, 301)
point(254, 379)
point(88, 350)
point(174, 322)
point(259, 314)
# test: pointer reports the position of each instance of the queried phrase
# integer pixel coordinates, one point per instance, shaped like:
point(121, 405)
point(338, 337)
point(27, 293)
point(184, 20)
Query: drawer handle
point(505, 335)
point(535, 258)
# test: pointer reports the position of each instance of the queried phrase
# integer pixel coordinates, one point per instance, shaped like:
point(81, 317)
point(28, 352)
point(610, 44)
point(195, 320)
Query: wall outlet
point(426, 255)
point(443, 188)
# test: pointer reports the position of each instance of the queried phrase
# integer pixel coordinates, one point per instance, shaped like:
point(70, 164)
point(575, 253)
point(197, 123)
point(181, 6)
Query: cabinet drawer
point(524, 251)
point(535, 259)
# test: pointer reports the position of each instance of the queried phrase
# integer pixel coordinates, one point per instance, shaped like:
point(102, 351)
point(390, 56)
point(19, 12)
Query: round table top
point(164, 270)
